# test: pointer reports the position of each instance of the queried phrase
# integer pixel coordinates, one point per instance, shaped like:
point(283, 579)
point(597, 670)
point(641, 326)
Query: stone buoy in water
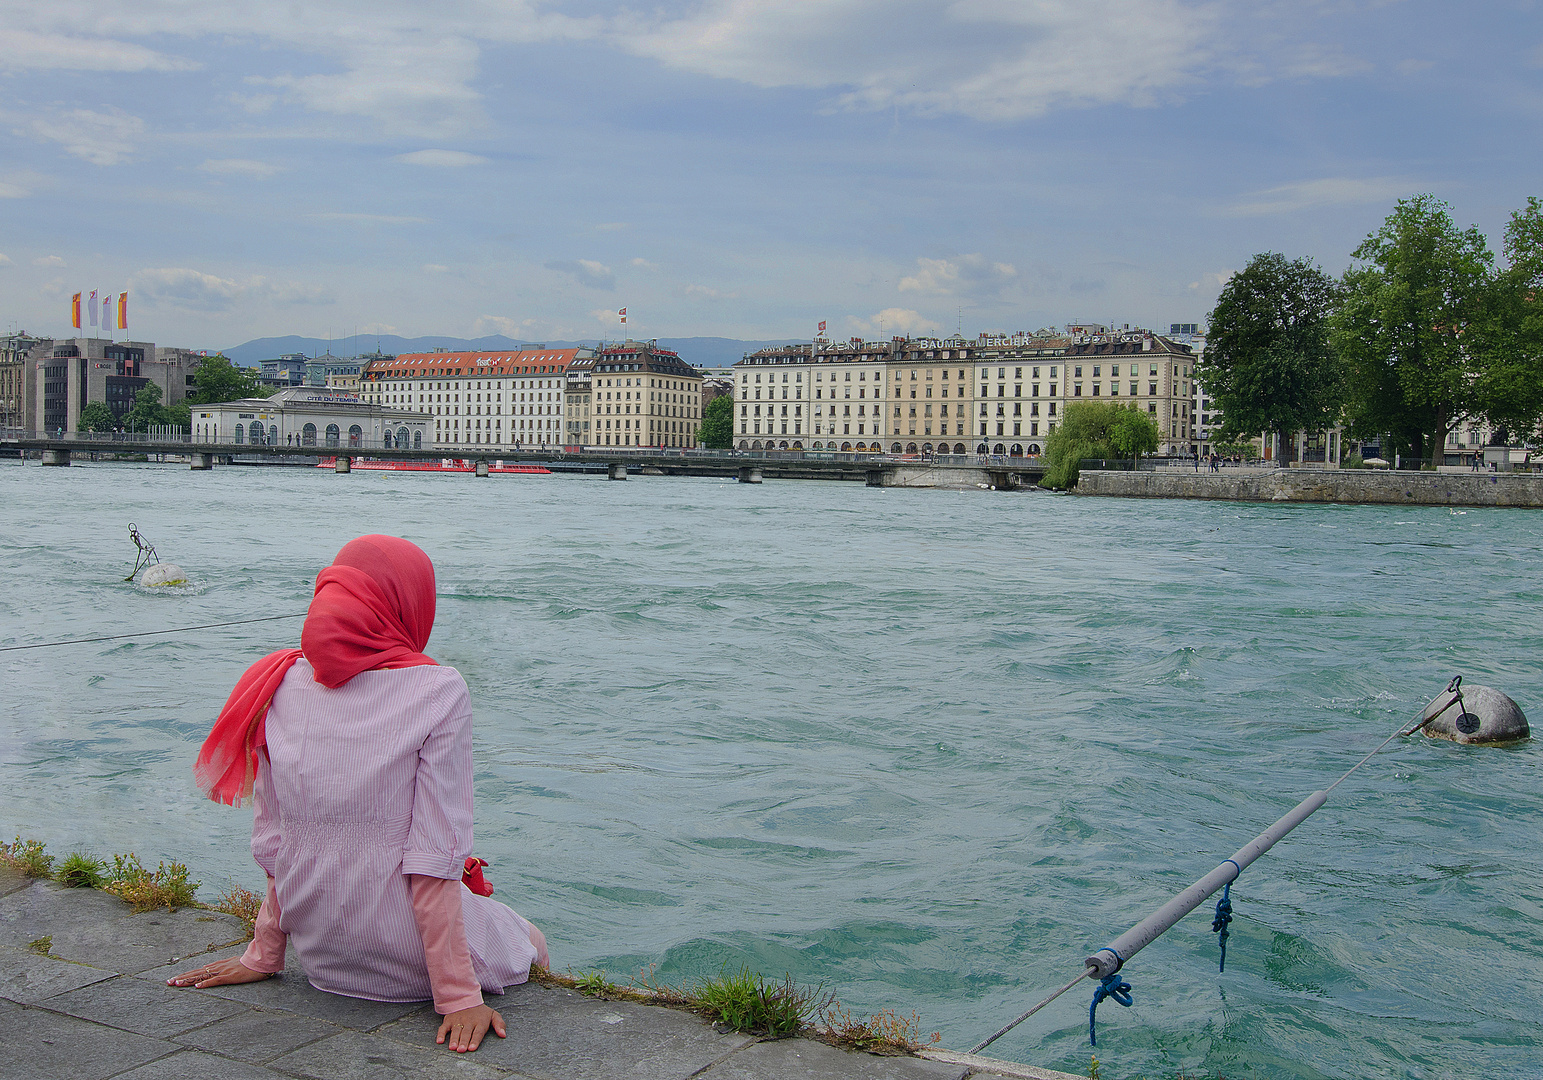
point(164, 573)
point(1484, 717)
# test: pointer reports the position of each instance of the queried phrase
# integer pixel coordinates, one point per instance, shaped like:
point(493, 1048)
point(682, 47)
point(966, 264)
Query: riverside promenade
point(83, 996)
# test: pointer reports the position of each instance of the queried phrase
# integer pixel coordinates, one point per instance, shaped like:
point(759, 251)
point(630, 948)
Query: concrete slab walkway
point(83, 996)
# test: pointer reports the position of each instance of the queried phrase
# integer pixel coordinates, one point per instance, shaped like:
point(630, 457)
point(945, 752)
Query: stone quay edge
point(1367, 486)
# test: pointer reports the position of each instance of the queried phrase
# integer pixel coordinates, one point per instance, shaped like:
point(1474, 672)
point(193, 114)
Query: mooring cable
point(151, 633)
point(1112, 957)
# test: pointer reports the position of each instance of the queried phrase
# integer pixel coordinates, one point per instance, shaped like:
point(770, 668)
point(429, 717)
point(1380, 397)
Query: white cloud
point(988, 59)
point(962, 273)
point(606, 317)
point(1330, 191)
point(644, 264)
point(53, 51)
point(259, 170)
point(10, 189)
point(196, 291)
point(706, 292)
point(444, 159)
point(1215, 279)
point(435, 268)
point(102, 138)
point(5, 260)
point(894, 321)
point(586, 272)
point(48, 260)
point(502, 324)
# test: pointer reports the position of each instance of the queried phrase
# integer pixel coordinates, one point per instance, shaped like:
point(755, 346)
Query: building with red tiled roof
point(512, 399)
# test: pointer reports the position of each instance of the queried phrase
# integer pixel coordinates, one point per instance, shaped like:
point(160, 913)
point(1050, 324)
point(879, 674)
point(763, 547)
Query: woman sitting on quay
point(356, 750)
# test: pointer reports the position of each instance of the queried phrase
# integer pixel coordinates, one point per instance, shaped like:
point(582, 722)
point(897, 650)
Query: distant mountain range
point(701, 352)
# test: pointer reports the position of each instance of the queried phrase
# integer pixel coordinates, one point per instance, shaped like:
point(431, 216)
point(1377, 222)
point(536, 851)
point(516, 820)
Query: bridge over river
point(749, 467)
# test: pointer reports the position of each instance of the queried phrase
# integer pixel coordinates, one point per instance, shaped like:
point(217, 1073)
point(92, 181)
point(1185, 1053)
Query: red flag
point(822, 327)
point(75, 311)
point(623, 314)
point(123, 311)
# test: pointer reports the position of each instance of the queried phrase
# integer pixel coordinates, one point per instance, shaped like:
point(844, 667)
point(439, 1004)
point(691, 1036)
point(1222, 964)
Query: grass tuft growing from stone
point(755, 1005)
point(43, 945)
point(885, 1032)
point(80, 871)
point(166, 886)
point(27, 857)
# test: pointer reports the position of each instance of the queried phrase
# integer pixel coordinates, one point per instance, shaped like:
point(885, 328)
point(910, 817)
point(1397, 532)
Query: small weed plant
point(752, 1004)
point(241, 902)
point(885, 1032)
point(43, 945)
point(26, 857)
point(167, 886)
point(80, 871)
point(594, 984)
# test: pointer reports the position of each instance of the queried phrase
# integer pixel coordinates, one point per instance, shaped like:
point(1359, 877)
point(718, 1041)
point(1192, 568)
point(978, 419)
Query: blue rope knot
point(1110, 986)
point(1219, 923)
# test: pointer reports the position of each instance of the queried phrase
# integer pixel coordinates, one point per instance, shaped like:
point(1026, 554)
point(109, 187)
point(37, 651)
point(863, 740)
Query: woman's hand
point(465, 1029)
point(219, 973)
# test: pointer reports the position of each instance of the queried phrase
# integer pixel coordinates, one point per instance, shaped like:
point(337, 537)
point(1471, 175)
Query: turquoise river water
point(928, 748)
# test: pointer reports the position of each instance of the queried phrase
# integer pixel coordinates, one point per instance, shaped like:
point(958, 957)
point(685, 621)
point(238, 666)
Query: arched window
point(333, 434)
point(308, 435)
point(910, 448)
point(926, 448)
point(1017, 451)
point(782, 445)
point(240, 433)
point(983, 449)
point(958, 447)
point(1000, 450)
point(417, 440)
point(356, 436)
point(257, 434)
point(846, 446)
point(1034, 449)
point(895, 448)
point(273, 435)
point(756, 445)
point(401, 438)
point(798, 444)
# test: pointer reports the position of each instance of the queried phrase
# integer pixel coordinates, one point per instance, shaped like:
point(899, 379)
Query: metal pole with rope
point(1106, 963)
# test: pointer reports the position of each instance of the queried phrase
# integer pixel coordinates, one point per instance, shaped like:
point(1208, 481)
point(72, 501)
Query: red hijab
point(373, 608)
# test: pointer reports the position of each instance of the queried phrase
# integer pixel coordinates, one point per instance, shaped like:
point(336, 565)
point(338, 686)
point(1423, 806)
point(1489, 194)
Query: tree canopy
point(217, 379)
point(717, 430)
point(147, 411)
point(1094, 429)
point(1415, 323)
point(96, 416)
point(1268, 364)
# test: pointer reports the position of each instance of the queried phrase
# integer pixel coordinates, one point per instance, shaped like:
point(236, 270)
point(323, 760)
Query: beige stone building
point(642, 396)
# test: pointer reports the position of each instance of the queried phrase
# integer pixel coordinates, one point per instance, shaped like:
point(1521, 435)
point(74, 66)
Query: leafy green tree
point(217, 379)
point(147, 411)
point(717, 430)
point(178, 414)
point(1095, 430)
point(1412, 327)
point(96, 416)
point(1267, 361)
point(1511, 378)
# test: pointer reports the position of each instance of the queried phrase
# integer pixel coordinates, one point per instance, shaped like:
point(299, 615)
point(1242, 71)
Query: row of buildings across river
point(999, 394)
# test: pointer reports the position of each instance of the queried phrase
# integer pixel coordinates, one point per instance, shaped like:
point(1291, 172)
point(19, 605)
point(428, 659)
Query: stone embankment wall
point(1324, 486)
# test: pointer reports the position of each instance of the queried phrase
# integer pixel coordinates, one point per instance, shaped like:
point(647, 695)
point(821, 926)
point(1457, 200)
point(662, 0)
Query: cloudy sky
point(735, 167)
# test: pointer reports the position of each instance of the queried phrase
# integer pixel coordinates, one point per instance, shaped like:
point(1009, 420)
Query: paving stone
point(257, 1035)
point(806, 1059)
point(563, 1035)
point(54, 1047)
point(97, 928)
point(291, 992)
point(354, 1055)
point(192, 1065)
point(10, 881)
point(143, 1007)
point(27, 977)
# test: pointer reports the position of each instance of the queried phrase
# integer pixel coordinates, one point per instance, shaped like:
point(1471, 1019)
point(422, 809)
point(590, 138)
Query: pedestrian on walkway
point(356, 751)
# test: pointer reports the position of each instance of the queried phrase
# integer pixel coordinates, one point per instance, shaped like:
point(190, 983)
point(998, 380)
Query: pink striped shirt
point(364, 787)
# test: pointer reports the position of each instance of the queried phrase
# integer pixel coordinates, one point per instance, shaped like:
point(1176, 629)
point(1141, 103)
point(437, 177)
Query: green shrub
point(749, 1003)
point(167, 886)
point(27, 857)
point(80, 871)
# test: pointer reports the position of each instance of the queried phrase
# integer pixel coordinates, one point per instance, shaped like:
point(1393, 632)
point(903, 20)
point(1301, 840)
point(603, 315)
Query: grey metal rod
point(1111, 957)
